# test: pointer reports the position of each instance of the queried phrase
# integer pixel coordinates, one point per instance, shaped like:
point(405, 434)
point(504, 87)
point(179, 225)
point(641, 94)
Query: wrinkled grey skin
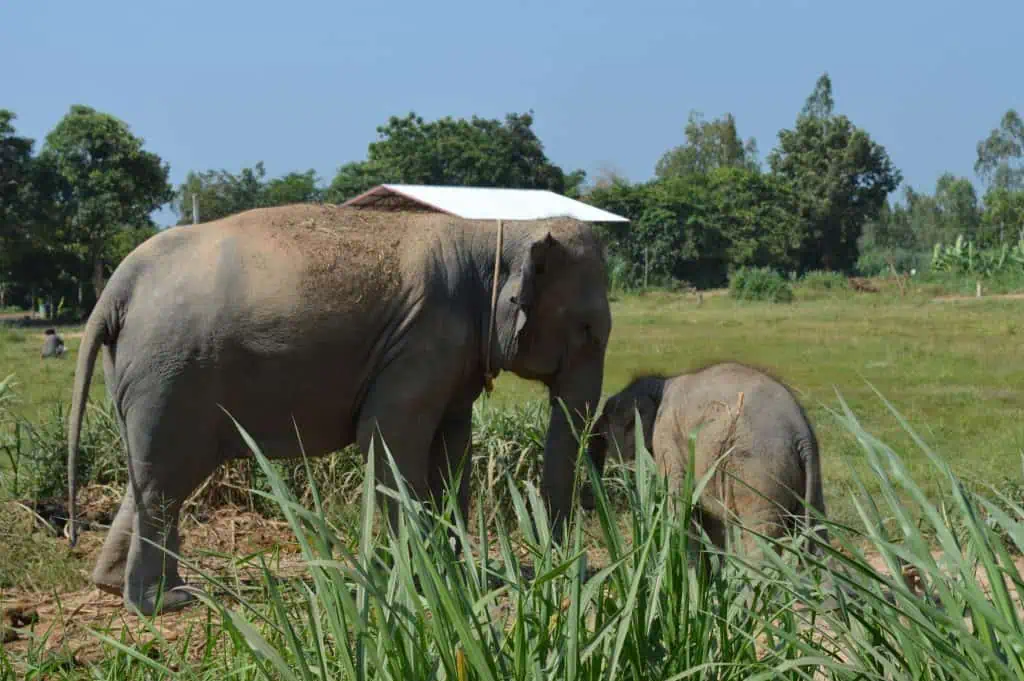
point(53, 345)
point(354, 336)
point(770, 447)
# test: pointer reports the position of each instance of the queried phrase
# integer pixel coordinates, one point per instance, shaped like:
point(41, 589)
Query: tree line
point(71, 210)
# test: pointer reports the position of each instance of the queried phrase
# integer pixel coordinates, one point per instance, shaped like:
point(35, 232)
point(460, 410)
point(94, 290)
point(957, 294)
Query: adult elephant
point(358, 325)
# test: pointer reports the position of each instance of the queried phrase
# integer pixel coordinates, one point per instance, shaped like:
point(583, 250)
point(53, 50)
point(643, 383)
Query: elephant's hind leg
point(172, 448)
point(764, 522)
point(152, 568)
point(108, 575)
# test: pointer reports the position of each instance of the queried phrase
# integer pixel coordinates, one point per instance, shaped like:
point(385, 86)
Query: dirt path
point(996, 296)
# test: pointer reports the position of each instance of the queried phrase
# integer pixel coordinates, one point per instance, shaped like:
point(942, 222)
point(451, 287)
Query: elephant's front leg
point(392, 420)
point(451, 455)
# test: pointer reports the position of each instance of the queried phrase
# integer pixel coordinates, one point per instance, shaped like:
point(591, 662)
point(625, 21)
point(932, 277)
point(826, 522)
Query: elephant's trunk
point(597, 448)
point(576, 391)
point(597, 452)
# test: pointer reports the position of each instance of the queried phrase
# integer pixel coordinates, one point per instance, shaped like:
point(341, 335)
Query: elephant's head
point(556, 321)
point(614, 431)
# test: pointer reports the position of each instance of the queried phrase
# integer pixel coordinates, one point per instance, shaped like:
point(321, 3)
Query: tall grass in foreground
point(405, 607)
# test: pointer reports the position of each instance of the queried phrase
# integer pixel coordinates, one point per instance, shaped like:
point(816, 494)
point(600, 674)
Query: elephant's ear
point(647, 406)
point(531, 277)
point(648, 409)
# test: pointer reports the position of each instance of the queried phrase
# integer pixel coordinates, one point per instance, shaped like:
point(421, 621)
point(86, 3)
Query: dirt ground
point(221, 545)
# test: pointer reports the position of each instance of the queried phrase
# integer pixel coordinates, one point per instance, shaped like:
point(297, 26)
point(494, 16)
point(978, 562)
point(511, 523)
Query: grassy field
point(951, 367)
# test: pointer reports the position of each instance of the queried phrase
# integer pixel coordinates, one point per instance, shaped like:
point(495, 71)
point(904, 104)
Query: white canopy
point(481, 203)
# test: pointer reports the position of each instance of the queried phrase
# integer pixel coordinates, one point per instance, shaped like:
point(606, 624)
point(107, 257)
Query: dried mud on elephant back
point(355, 254)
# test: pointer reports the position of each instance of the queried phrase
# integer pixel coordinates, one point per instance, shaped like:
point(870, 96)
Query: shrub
point(35, 455)
point(507, 442)
point(36, 452)
point(759, 283)
point(875, 262)
point(620, 277)
point(820, 280)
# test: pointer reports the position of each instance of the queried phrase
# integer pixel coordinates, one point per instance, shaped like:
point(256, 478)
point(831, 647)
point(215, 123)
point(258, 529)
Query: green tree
point(108, 181)
point(709, 145)
point(354, 178)
point(694, 227)
point(1000, 160)
point(292, 188)
point(219, 193)
point(574, 183)
point(475, 152)
point(613, 192)
point(820, 104)
point(124, 241)
point(17, 205)
point(757, 216)
point(957, 202)
point(1003, 217)
point(841, 177)
point(923, 219)
point(665, 237)
point(888, 230)
point(34, 260)
point(1000, 164)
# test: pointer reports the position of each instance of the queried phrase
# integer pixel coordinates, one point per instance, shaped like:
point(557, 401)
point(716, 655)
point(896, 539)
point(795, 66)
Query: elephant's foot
point(112, 589)
point(109, 580)
point(160, 598)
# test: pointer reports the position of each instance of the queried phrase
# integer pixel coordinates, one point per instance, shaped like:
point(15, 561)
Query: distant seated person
point(53, 344)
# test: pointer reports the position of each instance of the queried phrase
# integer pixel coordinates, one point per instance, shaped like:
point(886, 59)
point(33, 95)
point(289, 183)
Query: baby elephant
point(53, 344)
point(770, 475)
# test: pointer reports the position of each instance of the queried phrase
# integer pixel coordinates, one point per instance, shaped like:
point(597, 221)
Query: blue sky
point(303, 84)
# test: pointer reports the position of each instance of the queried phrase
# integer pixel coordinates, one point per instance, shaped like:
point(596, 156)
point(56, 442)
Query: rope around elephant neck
point(488, 375)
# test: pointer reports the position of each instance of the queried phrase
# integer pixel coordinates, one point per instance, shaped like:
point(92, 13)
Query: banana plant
point(964, 257)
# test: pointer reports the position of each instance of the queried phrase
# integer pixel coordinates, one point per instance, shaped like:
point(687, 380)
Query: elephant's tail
point(95, 335)
point(814, 498)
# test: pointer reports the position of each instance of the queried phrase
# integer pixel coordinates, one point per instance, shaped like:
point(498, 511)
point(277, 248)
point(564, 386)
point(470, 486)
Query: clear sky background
point(303, 84)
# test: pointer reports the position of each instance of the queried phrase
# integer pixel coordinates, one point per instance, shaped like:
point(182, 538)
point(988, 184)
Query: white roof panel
point(490, 203)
